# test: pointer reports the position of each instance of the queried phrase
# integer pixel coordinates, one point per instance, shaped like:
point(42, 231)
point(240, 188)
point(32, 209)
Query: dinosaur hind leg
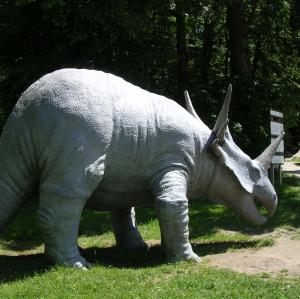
point(125, 229)
point(59, 218)
point(63, 195)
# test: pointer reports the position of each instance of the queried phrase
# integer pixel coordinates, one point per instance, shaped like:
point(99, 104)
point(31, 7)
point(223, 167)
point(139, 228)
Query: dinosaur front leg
point(125, 229)
point(173, 221)
point(172, 212)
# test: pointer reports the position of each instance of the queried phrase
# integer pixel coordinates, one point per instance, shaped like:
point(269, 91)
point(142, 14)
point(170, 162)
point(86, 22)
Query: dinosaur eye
point(254, 173)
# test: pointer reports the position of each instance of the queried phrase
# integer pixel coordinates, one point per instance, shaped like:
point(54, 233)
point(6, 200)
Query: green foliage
point(138, 41)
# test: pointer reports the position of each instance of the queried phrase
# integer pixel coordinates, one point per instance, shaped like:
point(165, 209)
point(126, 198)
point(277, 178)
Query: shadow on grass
point(15, 268)
point(19, 267)
point(292, 171)
point(111, 256)
point(22, 233)
point(205, 219)
point(287, 213)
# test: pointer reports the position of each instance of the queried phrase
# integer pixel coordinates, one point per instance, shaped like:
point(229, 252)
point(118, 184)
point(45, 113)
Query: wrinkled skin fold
point(88, 138)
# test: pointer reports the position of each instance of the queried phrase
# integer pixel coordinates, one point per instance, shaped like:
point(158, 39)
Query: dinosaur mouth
point(268, 205)
point(249, 208)
point(252, 213)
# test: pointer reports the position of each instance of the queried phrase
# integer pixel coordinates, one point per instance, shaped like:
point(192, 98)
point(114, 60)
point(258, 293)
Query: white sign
point(278, 160)
point(276, 113)
point(276, 130)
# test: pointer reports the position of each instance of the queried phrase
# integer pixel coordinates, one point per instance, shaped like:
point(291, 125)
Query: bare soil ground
point(283, 258)
point(291, 168)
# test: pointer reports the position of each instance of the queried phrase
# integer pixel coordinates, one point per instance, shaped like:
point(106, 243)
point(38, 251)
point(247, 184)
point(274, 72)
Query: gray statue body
point(90, 138)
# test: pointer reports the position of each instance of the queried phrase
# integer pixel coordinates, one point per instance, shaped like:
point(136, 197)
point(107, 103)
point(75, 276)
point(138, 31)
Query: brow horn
point(189, 105)
point(223, 116)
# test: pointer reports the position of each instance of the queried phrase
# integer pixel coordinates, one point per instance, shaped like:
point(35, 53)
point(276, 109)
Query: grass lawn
point(25, 273)
point(295, 160)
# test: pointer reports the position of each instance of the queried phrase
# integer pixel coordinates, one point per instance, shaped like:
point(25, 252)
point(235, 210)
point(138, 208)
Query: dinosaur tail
point(9, 203)
point(15, 178)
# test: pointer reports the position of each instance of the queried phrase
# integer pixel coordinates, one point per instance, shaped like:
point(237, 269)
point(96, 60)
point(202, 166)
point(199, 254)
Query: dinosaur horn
point(189, 105)
point(265, 158)
point(190, 108)
point(223, 116)
point(221, 132)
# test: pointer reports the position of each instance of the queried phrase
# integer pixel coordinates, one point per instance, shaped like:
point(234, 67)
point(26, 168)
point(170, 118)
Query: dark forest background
point(166, 47)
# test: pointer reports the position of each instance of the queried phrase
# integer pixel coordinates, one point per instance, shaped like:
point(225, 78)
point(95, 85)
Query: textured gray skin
point(90, 138)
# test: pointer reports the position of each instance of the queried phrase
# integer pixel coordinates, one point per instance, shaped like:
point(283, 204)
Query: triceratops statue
point(88, 138)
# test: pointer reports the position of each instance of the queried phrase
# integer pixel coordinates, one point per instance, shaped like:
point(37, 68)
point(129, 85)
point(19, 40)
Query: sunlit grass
point(26, 273)
point(295, 160)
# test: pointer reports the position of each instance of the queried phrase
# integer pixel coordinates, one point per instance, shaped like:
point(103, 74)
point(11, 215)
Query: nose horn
point(265, 158)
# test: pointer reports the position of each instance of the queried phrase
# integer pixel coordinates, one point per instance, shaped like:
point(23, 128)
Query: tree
point(210, 22)
point(238, 39)
point(181, 47)
point(165, 47)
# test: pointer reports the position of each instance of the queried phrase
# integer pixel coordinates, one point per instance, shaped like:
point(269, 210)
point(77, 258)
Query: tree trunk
point(295, 22)
point(257, 56)
point(238, 39)
point(181, 48)
point(208, 38)
point(295, 15)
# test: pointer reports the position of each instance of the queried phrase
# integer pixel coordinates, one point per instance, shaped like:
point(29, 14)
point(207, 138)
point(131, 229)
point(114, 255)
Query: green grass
point(295, 160)
point(164, 281)
point(25, 272)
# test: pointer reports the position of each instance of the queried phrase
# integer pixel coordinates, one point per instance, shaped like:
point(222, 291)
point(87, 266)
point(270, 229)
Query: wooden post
point(272, 174)
point(280, 175)
point(276, 126)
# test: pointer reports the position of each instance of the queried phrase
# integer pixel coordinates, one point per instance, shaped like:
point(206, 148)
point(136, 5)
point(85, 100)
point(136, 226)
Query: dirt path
point(291, 168)
point(283, 258)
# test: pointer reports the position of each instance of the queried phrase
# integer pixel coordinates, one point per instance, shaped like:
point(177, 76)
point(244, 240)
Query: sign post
point(276, 119)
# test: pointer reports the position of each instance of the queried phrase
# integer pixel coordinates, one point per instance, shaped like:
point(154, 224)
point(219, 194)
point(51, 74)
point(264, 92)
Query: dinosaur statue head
point(238, 181)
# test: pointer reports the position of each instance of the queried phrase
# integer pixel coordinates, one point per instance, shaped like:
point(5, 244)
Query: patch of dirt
point(291, 168)
point(281, 258)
